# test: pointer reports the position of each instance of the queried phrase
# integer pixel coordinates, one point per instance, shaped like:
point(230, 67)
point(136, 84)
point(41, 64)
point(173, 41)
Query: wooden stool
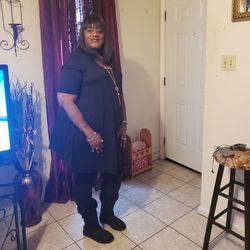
point(240, 160)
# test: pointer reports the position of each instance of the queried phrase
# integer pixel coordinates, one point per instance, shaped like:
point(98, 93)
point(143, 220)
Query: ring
point(124, 139)
point(102, 140)
point(96, 148)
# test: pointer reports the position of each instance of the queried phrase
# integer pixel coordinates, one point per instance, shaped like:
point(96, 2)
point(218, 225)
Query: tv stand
point(14, 229)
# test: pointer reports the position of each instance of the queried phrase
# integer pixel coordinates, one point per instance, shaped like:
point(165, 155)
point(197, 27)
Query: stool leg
point(247, 207)
point(213, 207)
point(230, 203)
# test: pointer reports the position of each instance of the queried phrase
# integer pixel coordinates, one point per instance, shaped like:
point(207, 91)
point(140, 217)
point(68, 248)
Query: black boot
point(108, 196)
point(113, 221)
point(93, 230)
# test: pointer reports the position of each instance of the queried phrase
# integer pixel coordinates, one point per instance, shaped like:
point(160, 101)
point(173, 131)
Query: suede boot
point(93, 230)
point(113, 221)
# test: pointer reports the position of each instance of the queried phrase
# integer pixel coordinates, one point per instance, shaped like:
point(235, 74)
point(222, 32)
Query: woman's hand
point(67, 101)
point(96, 143)
point(123, 134)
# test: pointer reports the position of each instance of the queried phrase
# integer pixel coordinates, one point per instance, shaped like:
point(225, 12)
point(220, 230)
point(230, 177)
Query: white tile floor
point(159, 208)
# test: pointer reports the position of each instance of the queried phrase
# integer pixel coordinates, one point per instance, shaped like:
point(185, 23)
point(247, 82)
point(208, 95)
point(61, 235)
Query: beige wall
point(27, 67)
point(139, 35)
point(227, 102)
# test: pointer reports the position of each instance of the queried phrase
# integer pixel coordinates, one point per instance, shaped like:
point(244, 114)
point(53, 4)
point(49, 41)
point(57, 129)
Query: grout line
point(130, 240)
point(136, 247)
point(170, 190)
point(68, 235)
point(46, 225)
point(182, 217)
point(186, 182)
point(66, 216)
point(140, 182)
point(151, 236)
point(186, 237)
point(182, 201)
point(163, 195)
point(165, 222)
point(71, 245)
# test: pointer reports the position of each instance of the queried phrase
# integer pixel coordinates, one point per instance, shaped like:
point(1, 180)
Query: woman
point(248, 5)
point(90, 130)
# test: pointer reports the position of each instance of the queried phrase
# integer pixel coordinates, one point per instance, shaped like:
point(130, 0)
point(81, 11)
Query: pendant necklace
point(110, 72)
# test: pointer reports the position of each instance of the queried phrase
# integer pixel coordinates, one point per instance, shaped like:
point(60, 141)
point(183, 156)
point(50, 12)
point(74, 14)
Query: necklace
point(110, 72)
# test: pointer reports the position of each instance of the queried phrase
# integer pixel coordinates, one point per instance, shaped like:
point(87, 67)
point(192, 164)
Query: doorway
point(184, 45)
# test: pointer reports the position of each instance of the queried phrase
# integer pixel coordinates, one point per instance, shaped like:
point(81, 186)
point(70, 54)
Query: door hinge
point(164, 81)
point(164, 141)
point(165, 15)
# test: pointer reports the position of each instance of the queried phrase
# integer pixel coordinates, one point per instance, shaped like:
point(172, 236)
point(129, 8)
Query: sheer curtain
point(59, 20)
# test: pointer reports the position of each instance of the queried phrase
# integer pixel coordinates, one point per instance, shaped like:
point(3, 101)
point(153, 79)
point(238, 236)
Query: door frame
point(162, 77)
point(163, 14)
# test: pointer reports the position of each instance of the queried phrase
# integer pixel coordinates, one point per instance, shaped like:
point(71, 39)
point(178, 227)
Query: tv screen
point(6, 150)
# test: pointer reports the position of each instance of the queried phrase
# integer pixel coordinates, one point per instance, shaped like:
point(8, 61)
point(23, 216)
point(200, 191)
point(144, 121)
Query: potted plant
point(25, 104)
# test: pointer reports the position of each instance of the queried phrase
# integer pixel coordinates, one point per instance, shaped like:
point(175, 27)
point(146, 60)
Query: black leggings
point(82, 192)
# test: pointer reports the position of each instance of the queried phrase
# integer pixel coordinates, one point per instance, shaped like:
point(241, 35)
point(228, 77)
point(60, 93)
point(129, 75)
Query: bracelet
point(92, 138)
point(124, 122)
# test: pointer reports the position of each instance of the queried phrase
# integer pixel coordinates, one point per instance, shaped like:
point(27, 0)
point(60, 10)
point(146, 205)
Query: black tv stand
point(14, 227)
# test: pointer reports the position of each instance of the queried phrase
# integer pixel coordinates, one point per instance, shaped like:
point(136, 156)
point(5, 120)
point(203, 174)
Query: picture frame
point(240, 10)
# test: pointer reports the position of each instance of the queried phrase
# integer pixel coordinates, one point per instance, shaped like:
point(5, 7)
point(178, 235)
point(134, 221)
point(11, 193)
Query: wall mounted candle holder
point(11, 13)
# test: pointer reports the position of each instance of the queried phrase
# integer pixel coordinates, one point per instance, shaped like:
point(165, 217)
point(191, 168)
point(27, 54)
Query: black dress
point(98, 101)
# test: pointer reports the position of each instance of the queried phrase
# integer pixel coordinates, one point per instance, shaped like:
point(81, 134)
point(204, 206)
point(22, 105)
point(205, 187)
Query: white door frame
point(163, 75)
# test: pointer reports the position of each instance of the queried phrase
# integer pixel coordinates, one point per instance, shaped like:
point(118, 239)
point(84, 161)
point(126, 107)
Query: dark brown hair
point(106, 51)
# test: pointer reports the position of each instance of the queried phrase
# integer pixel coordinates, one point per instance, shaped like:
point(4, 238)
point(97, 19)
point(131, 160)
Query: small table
point(8, 192)
point(239, 160)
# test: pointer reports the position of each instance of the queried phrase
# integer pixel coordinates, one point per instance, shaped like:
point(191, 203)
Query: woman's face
point(93, 37)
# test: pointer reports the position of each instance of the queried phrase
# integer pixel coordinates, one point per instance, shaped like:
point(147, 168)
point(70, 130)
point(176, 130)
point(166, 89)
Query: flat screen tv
point(6, 140)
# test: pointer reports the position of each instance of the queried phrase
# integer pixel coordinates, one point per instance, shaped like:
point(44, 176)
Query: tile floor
point(159, 208)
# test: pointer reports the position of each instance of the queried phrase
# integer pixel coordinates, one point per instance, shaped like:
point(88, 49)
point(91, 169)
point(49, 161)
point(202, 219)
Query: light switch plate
point(228, 62)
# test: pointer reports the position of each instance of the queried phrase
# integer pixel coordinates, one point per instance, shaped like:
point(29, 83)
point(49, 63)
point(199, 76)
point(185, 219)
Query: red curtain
point(55, 48)
point(58, 38)
point(107, 10)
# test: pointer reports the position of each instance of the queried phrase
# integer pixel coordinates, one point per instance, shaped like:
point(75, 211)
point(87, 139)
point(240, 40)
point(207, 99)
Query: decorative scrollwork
point(11, 233)
point(2, 214)
point(25, 45)
point(9, 214)
point(22, 45)
point(4, 44)
point(15, 27)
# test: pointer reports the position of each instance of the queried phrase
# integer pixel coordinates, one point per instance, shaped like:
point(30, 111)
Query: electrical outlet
point(228, 62)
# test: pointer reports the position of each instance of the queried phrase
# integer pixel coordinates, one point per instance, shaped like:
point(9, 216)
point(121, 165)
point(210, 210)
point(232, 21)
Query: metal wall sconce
point(14, 18)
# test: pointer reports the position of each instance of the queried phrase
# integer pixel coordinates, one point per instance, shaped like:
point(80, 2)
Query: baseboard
point(203, 211)
point(155, 156)
point(235, 227)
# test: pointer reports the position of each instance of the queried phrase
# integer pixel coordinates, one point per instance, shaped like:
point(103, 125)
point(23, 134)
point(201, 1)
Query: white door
point(184, 81)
